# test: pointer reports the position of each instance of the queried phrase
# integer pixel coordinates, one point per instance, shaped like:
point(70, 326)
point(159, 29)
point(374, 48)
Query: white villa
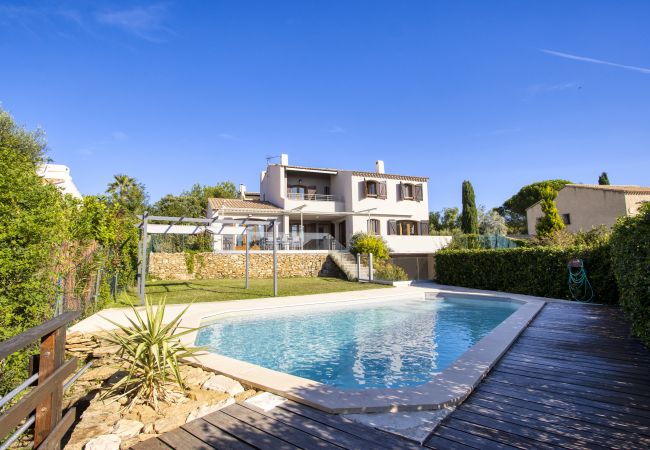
point(321, 208)
point(59, 175)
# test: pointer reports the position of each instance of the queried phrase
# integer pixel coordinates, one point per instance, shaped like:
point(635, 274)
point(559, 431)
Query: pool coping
point(449, 388)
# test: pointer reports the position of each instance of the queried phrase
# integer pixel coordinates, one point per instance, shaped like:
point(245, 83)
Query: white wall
point(59, 175)
point(416, 244)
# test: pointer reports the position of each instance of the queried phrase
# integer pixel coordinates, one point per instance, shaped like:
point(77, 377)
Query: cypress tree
point(551, 220)
point(469, 216)
point(603, 179)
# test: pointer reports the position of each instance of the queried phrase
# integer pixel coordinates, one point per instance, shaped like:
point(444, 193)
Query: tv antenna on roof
point(269, 158)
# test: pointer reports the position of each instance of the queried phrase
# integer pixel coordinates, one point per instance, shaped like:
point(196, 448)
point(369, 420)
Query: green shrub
point(369, 243)
point(630, 244)
point(390, 272)
point(539, 271)
point(32, 232)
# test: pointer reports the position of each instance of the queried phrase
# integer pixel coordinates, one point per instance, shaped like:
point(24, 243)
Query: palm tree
point(119, 188)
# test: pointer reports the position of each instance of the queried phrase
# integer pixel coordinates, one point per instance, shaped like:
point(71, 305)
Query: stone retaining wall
point(186, 266)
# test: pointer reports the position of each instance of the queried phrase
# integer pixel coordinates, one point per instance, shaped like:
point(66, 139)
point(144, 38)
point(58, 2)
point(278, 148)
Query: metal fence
point(415, 266)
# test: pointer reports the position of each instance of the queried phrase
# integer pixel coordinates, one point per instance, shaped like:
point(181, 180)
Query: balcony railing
point(292, 241)
point(313, 197)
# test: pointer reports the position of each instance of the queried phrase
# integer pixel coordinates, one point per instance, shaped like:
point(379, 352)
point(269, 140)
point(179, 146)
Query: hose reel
point(579, 285)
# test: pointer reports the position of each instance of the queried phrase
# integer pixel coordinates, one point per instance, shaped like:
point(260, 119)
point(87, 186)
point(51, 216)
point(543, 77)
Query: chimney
point(284, 159)
point(379, 166)
point(242, 192)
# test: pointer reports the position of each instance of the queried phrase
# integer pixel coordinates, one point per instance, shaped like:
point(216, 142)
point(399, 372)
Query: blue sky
point(502, 93)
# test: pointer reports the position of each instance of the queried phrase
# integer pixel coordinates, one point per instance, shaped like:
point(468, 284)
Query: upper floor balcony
point(302, 194)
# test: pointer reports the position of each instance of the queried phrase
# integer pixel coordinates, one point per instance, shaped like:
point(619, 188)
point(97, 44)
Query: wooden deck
point(574, 379)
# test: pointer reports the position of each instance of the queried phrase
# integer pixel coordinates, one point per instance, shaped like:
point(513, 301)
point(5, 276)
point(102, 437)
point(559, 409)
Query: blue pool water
point(382, 344)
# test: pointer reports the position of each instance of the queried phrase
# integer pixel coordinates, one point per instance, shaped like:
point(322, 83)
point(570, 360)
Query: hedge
point(630, 244)
point(539, 271)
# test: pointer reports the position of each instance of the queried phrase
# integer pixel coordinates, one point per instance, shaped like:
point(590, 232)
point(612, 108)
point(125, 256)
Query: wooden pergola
point(193, 226)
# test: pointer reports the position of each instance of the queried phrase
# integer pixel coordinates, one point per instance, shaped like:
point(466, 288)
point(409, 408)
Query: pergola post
point(246, 236)
point(275, 258)
point(143, 275)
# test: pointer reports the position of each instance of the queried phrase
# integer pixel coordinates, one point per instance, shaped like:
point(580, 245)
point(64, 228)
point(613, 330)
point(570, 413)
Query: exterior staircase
point(347, 262)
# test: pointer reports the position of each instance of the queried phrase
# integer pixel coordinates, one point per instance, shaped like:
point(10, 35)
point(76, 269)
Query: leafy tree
point(193, 203)
point(128, 193)
point(445, 221)
point(469, 216)
point(451, 218)
point(491, 222)
point(514, 209)
point(32, 231)
point(603, 179)
point(551, 221)
point(435, 221)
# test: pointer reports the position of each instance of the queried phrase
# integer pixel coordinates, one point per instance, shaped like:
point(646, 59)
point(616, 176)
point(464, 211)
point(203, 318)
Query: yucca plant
point(151, 352)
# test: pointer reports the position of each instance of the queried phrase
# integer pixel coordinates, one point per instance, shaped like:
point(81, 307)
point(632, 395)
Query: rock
point(168, 423)
point(220, 383)
point(194, 375)
point(207, 409)
point(105, 350)
point(104, 442)
point(245, 395)
point(207, 397)
point(135, 440)
point(126, 428)
point(148, 429)
point(144, 413)
point(99, 374)
point(96, 417)
point(82, 435)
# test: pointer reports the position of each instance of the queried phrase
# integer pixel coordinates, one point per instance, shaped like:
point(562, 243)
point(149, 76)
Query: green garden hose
point(579, 284)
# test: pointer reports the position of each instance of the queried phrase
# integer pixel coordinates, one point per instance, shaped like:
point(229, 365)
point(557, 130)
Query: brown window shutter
point(363, 189)
point(392, 227)
point(382, 190)
point(424, 228)
point(417, 192)
point(402, 192)
point(311, 192)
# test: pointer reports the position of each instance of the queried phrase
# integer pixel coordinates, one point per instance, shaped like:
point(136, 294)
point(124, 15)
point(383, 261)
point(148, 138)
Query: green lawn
point(233, 289)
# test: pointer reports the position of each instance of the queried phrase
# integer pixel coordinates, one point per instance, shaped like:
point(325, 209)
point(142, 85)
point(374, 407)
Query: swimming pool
point(385, 344)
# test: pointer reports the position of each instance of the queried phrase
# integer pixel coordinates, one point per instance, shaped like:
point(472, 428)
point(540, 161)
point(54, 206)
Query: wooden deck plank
point(279, 429)
point(493, 431)
point(180, 438)
point(151, 444)
point(552, 421)
point(376, 437)
point(573, 379)
point(247, 433)
point(323, 431)
point(578, 406)
point(215, 436)
point(469, 439)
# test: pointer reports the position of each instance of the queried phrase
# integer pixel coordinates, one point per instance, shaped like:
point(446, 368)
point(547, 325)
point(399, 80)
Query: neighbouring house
point(319, 209)
point(59, 175)
point(584, 206)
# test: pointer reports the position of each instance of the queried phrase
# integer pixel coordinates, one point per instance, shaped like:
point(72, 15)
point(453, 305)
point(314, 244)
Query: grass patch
point(233, 289)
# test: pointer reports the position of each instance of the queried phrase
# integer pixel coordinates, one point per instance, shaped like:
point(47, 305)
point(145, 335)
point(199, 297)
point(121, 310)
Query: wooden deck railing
point(41, 406)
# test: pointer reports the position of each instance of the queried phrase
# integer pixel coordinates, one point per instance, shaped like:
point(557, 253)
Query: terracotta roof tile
point(239, 204)
point(627, 189)
point(390, 176)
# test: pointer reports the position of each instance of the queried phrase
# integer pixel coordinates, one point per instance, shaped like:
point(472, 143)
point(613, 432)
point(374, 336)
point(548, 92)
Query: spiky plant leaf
point(151, 352)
